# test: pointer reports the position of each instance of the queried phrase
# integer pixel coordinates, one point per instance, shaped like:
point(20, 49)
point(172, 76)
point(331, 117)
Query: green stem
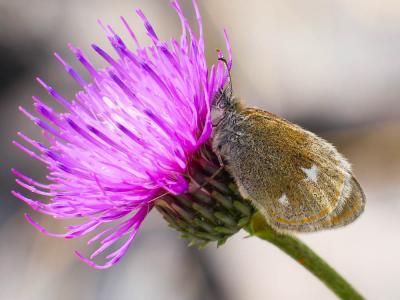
point(305, 256)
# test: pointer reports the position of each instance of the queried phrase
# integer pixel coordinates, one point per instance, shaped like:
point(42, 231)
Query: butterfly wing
point(297, 180)
point(351, 209)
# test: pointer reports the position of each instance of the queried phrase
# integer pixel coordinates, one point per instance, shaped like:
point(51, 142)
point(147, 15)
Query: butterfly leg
point(200, 186)
point(221, 167)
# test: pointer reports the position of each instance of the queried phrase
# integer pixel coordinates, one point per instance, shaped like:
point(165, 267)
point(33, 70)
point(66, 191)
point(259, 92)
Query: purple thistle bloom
point(127, 138)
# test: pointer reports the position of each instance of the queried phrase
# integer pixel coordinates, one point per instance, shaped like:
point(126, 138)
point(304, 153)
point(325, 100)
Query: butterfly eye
point(218, 102)
point(221, 104)
point(222, 99)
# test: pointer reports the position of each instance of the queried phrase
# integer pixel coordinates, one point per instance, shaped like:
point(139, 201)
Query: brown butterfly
point(297, 180)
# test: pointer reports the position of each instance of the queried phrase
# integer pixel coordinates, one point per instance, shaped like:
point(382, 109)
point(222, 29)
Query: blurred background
point(331, 66)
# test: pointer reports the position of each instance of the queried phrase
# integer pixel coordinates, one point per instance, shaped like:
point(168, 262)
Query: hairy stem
point(305, 256)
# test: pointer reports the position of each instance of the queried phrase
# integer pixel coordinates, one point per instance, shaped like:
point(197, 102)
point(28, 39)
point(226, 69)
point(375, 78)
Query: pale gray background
point(332, 66)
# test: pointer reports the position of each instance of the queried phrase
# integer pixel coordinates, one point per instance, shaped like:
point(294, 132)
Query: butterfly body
point(297, 180)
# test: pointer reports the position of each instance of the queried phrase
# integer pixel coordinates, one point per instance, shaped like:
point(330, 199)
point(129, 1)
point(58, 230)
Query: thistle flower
point(130, 136)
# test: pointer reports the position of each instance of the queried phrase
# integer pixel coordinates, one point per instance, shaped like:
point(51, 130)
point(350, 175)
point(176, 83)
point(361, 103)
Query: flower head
point(127, 138)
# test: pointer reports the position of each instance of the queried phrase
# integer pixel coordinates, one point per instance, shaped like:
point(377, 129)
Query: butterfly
point(298, 181)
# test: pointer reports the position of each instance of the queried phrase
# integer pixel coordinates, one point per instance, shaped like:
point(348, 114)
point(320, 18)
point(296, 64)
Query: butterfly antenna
point(229, 73)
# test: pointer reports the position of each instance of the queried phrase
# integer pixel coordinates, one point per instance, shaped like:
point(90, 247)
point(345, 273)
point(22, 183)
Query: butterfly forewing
point(296, 179)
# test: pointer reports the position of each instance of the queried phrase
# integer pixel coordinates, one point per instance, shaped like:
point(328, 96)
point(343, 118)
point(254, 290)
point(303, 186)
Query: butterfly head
point(225, 102)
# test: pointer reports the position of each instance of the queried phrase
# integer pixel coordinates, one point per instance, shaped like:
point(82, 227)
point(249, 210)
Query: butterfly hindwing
point(351, 209)
point(297, 180)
